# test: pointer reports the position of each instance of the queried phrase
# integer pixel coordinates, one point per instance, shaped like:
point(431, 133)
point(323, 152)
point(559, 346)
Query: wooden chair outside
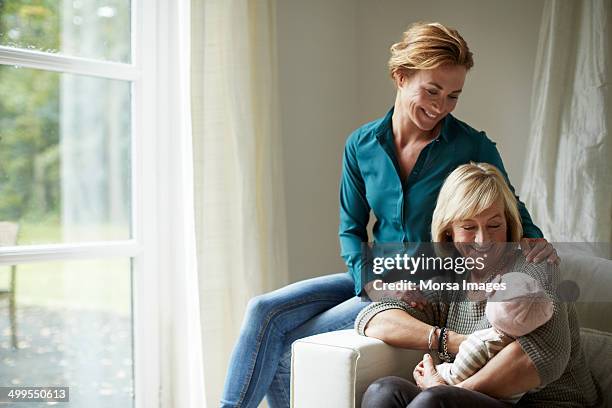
point(8, 237)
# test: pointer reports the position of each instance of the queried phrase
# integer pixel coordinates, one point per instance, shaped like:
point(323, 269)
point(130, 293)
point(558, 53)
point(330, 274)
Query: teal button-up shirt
point(371, 180)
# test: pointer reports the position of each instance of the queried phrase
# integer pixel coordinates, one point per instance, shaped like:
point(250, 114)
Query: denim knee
point(259, 308)
point(262, 312)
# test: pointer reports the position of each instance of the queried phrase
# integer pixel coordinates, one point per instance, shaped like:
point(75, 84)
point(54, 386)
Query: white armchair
point(334, 369)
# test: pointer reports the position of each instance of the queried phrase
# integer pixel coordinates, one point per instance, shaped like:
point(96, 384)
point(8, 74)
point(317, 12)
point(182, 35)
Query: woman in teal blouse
point(394, 166)
point(372, 179)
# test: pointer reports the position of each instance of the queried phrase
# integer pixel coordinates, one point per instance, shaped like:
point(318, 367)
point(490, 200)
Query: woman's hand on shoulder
point(539, 249)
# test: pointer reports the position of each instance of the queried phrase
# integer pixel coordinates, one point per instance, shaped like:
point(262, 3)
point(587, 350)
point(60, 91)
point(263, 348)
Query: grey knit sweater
point(554, 347)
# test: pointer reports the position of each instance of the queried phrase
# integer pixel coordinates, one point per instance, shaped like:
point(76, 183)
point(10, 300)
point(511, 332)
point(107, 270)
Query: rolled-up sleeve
point(354, 213)
point(434, 312)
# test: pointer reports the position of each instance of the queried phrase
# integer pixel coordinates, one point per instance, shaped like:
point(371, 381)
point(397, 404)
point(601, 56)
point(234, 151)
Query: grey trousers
point(396, 392)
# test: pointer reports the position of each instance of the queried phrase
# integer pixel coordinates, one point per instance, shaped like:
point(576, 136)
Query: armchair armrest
point(334, 369)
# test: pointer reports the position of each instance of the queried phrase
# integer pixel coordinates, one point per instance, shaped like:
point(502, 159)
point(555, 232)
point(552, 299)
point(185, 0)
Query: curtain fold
point(567, 184)
point(240, 205)
point(181, 363)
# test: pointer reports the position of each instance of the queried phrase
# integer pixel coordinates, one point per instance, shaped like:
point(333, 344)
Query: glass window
point(98, 29)
point(69, 323)
point(64, 156)
point(70, 139)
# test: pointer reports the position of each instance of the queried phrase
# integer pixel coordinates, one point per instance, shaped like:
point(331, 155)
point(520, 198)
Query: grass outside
point(51, 231)
point(103, 284)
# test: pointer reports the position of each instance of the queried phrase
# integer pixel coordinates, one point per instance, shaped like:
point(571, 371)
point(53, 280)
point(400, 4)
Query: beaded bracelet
point(442, 346)
point(440, 339)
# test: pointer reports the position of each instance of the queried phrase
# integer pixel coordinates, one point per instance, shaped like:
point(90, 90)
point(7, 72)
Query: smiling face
point(429, 95)
point(483, 235)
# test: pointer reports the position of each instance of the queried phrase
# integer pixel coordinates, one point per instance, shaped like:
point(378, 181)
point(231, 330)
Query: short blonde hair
point(428, 46)
point(468, 191)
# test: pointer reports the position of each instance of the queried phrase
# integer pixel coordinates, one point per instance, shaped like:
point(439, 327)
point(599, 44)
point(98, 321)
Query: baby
point(514, 312)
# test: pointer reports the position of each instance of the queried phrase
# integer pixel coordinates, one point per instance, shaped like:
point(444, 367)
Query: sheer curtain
point(568, 169)
point(181, 368)
point(240, 206)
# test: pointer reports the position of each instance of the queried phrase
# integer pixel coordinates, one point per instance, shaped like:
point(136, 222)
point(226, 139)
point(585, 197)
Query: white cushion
point(597, 346)
point(334, 369)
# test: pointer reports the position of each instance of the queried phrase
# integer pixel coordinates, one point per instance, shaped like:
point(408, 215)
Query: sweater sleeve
point(488, 153)
point(367, 313)
point(354, 213)
point(434, 312)
point(549, 345)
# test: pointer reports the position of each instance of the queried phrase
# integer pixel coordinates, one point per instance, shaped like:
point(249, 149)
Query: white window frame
point(144, 246)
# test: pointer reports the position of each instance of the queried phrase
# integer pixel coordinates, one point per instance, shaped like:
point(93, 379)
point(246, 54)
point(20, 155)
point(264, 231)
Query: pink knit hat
point(521, 308)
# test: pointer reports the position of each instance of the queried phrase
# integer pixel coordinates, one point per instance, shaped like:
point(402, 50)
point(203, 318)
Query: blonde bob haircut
point(428, 46)
point(468, 191)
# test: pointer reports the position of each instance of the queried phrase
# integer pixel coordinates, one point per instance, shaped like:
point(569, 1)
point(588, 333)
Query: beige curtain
point(240, 206)
point(568, 168)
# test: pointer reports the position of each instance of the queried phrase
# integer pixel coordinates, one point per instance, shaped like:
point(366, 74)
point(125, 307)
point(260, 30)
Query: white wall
point(317, 52)
point(333, 77)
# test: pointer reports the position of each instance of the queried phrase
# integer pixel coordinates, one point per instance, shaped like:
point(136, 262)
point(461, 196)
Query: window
point(77, 199)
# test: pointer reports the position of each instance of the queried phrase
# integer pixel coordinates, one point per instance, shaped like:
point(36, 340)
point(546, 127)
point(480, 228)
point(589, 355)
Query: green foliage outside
point(29, 112)
point(30, 159)
point(31, 103)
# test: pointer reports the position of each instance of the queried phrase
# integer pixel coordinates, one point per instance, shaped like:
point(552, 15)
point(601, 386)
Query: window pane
point(71, 326)
point(84, 28)
point(64, 156)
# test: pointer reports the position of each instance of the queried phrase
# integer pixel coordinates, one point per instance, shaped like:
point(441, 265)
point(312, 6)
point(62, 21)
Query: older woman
point(478, 213)
point(394, 166)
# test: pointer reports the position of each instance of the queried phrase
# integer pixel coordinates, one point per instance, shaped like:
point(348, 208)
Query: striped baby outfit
point(474, 352)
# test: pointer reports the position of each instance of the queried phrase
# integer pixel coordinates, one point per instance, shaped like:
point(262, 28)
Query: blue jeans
point(260, 364)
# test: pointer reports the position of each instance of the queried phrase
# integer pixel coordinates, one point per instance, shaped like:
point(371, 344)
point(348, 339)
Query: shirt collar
point(385, 128)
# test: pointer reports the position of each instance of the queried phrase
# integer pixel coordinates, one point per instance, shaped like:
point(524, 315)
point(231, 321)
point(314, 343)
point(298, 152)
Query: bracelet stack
point(443, 347)
point(430, 338)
